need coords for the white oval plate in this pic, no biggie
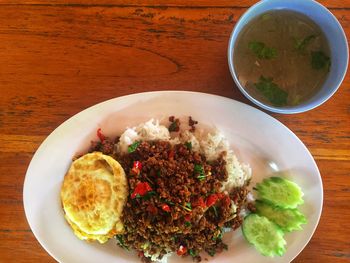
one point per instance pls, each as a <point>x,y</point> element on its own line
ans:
<point>258,139</point>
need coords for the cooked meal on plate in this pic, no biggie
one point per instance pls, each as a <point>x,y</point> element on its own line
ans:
<point>167,188</point>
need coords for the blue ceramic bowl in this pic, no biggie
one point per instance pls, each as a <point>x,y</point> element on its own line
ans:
<point>331,28</point>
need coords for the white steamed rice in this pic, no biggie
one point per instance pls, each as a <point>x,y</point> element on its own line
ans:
<point>209,144</point>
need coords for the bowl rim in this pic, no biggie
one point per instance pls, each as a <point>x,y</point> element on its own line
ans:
<point>291,109</point>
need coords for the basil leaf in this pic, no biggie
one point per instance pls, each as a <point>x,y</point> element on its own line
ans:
<point>192,253</point>
<point>120,241</point>
<point>200,171</point>
<point>188,145</point>
<point>132,147</point>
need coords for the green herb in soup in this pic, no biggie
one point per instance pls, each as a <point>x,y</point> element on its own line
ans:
<point>261,50</point>
<point>271,91</point>
<point>320,60</point>
<point>301,44</point>
<point>282,58</point>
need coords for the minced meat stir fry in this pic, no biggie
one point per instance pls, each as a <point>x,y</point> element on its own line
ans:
<point>175,203</point>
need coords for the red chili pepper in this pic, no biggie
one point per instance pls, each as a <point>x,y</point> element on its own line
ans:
<point>220,195</point>
<point>165,207</point>
<point>135,171</point>
<point>141,254</point>
<point>141,189</point>
<point>188,217</point>
<point>100,135</point>
<point>182,250</point>
<point>211,200</point>
<point>137,165</point>
<point>199,202</point>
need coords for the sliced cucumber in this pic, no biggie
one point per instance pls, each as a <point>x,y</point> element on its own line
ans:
<point>280,192</point>
<point>287,219</point>
<point>265,235</point>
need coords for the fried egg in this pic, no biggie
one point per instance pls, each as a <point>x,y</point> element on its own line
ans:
<point>93,195</point>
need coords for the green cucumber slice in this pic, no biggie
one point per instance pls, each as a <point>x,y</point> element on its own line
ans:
<point>287,219</point>
<point>265,235</point>
<point>280,192</point>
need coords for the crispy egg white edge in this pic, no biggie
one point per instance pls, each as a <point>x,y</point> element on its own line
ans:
<point>116,226</point>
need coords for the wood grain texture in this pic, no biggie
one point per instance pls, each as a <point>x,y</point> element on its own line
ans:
<point>59,57</point>
<point>161,3</point>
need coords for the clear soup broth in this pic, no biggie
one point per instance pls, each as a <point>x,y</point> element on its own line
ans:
<point>282,58</point>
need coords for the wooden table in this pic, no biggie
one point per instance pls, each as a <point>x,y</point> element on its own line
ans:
<point>59,57</point>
